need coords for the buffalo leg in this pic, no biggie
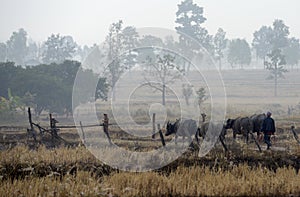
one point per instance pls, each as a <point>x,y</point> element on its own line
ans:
<point>223,143</point>
<point>258,146</point>
<point>196,137</point>
<point>234,134</point>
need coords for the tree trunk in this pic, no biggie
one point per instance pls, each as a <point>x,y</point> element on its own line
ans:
<point>187,100</point>
<point>275,78</point>
<point>113,89</point>
<point>220,64</point>
<point>188,68</point>
<point>164,95</point>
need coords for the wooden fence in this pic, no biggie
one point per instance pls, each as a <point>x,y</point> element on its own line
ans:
<point>53,129</point>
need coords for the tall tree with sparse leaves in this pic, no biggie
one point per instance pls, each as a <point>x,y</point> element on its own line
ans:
<point>114,41</point>
<point>190,19</point>
<point>275,64</point>
<point>220,43</point>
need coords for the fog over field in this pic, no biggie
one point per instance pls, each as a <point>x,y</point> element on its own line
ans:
<point>149,98</point>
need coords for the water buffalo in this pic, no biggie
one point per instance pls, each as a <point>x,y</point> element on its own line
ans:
<point>202,131</point>
<point>245,126</point>
<point>257,121</point>
<point>184,128</point>
<point>241,125</point>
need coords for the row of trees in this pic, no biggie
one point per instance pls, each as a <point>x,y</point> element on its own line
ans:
<point>189,21</point>
<point>43,87</point>
<point>270,38</point>
<point>57,48</point>
<point>49,86</point>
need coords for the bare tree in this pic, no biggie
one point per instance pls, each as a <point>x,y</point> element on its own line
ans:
<point>160,72</point>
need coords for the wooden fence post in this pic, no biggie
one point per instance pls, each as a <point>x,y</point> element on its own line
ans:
<point>295,134</point>
<point>105,127</point>
<point>153,126</point>
<point>82,131</point>
<point>161,135</point>
<point>31,131</point>
<point>53,127</point>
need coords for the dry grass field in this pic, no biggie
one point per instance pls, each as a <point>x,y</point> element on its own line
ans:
<point>44,170</point>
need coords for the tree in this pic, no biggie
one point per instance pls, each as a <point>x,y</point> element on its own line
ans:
<point>267,38</point>
<point>32,56</point>
<point>8,71</point>
<point>3,52</point>
<point>129,37</point>
<point>150,45</point>
<point>58,48</point>
<point>201,96</point>
<point>280,34</point>
<point>220,43</point>
<point>120,54</point>
<point>189,19</point>
<point>150,40</point>
<point>275,64</point>
<point>163,70</point>
<point>262,41</point>
<point>292,52</point>
<point>239,52</point>
<point>115,68</point>
<point>187,92</point>
<point>129,43</point>
<point>46,87</point>
<point>16,47</point>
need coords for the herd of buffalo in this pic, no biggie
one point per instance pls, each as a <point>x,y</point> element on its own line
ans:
<point>241,125</point>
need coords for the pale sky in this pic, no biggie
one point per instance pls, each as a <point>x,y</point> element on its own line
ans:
<point>88,20</point>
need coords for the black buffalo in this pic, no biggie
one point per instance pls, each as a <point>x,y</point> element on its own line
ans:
<point>257,121</point>
<point>241,125</point>
<point>184,128</point>
<point>203,129</point>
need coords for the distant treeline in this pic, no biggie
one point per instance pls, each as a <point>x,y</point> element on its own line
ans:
<point>43,87</point>
<point>190,17</point>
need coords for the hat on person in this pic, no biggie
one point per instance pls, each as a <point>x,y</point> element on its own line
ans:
<point>269,114</point>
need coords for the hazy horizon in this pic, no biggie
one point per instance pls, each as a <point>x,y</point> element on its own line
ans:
<point>88,21</point>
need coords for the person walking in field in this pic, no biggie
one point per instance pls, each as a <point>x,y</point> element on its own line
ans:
<point>268,129</point>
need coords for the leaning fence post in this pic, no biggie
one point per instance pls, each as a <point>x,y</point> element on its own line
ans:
<point>105,127</point>
<point>161,135</point>
<point>295,134</point>
<point>82,131</point>
<point>153,126</point>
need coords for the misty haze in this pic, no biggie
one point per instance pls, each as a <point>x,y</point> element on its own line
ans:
<point>160,98</point>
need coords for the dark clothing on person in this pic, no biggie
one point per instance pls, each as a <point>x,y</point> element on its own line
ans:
<point>267,139</point>
<point>268,128</point>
